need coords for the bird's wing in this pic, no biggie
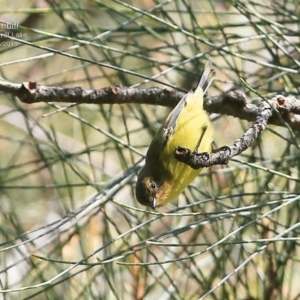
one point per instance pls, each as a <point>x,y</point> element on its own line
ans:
<point>205,81</point>
<point>166,131</point>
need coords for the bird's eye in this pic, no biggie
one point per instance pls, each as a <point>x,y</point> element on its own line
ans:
<point>152,185</point>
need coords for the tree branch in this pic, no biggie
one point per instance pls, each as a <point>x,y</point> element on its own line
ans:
<point>223,154</point>
<point>233,103</point>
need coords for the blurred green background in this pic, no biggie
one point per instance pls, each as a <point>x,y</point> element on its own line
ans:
<point>70,226</point>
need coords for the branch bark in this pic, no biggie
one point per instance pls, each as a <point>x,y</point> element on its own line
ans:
<point>279,110</point>
<point>233,103</point>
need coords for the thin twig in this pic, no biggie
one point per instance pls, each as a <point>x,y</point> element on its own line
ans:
<point>223,154</point>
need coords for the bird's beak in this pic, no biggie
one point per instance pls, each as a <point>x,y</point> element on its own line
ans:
<point>153,203</point>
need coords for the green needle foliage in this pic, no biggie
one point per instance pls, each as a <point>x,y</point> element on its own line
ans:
<point>70,227</point>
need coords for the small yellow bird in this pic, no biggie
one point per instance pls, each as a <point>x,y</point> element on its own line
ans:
<point>163,177</point>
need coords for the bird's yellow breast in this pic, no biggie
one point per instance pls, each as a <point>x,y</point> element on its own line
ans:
<point>192,124</point>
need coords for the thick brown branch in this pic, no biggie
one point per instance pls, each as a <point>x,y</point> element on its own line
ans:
<point>31,92</point>
<point>233,104</point>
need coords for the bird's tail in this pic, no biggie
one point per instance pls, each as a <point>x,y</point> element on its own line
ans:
<point>207,77</point>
